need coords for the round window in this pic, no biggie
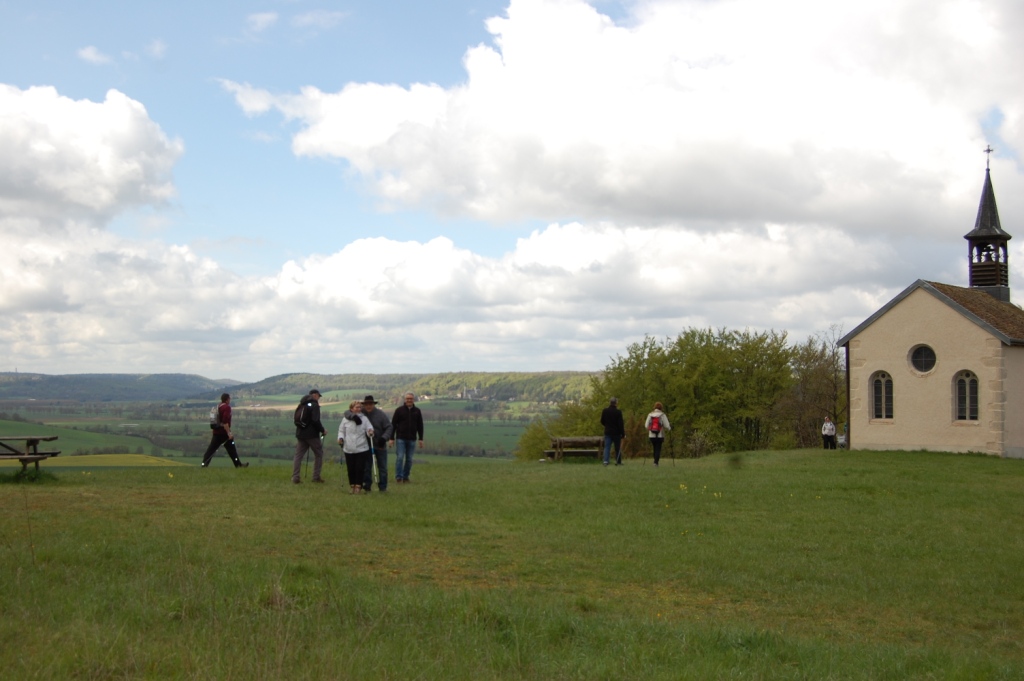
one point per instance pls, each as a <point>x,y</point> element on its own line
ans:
<point>923,358</point>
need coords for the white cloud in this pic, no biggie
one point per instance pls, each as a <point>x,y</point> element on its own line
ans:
<point>252,100</point>
<point>259,22</point>
<point>864,116</point>
<point>318,19</point>
<point>92,55</point>
<point>64,159</point>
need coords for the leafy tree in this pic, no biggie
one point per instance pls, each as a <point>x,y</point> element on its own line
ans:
<point>819,388</point>
<point>723,390</point>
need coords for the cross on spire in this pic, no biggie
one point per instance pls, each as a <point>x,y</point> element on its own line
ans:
<point>988,154</point>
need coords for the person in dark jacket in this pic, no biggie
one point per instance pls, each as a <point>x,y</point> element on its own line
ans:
<point>222,435</point>
<point>308,433</point>
<point>407,422</point>
<point>382,431</point>
<point>614,431</point>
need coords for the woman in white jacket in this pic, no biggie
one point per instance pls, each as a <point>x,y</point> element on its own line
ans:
<point>657,425</point>
<point>354,435</point>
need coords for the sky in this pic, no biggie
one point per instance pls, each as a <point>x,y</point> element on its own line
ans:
<point>243,189</point>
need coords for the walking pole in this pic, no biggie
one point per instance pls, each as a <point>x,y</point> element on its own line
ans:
<point>373,459</point>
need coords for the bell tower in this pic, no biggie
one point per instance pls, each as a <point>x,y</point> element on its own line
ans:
<point>987,256</point>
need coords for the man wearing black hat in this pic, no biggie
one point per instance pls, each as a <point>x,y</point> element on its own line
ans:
<point>382,431</point>
<point>308,431</point>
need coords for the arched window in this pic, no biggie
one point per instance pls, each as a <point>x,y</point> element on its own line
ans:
<point>965,395</point>
<point>881,396</point>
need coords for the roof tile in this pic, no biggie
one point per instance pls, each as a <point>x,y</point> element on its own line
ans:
<point>1006,318</point>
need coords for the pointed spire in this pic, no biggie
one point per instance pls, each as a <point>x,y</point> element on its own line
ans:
<point>987,223</point>
<point>988,257</point>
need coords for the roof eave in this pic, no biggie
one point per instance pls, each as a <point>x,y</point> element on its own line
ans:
<point>922,284</point>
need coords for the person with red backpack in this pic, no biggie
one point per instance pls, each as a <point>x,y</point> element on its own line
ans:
<point>657,425</point>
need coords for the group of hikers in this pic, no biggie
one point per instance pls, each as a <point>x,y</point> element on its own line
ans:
<point>366,432</point>
<point>364,435</point>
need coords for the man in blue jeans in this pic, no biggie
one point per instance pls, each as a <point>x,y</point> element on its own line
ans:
<point>614,431</point>
<point>408,428</point>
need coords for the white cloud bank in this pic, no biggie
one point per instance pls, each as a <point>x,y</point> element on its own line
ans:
<point>710,164</point>
<point>76,297</point>
<point>859,115</point>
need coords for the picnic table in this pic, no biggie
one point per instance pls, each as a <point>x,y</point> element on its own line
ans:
<point>29,453</point>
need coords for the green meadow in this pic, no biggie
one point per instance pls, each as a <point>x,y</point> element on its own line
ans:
<point>70,440</point>
<point>767,565</point>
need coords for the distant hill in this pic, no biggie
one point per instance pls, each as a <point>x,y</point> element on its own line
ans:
<point>107,387</point>
<point>543,386</point>
<point>298,384</point>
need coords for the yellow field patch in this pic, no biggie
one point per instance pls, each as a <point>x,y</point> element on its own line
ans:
<point>98,461</point>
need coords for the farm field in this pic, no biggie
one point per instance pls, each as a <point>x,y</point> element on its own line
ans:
<point>767,565</point>
<point>263,426</point>
<point>71,440</point>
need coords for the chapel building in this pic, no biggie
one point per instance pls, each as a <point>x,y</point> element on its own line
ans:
<point>941,367</point>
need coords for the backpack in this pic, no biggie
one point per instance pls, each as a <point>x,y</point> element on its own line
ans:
<point>655,424</point>
<point>302,414</point>
<point>215,418</point>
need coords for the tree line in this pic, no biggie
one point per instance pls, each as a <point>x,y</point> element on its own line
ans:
<point>724,390</point>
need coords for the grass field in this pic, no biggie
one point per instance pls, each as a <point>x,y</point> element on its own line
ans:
<point>781,565</point>
<point>95,461</point>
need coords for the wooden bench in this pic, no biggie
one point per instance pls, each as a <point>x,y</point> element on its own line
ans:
<point>561,447</point>
<point>30,453</point>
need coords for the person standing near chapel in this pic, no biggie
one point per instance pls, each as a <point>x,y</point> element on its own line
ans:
<point>828,434</point>
<point>308,431</point>
<point>657,425</point>
<point>382,430</point>
<point>614,431</point>
<point>222,435</point>
<point>408,428</point>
